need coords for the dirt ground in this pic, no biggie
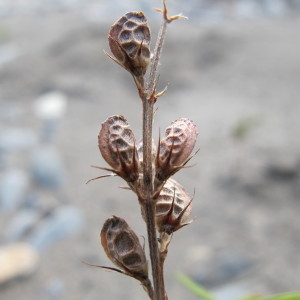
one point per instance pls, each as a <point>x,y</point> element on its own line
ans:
<point>239,81</point>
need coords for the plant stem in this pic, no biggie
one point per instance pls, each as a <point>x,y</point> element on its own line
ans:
<point>149,99</point>
<point>156,57</point>
<point>157,274</point>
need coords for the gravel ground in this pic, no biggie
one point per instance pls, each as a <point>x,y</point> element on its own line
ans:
<point>239,81</point>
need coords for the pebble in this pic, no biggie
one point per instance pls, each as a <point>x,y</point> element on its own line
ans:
<point>54,288</point>
<point>50,106</point>
<point>10,113</point>
<point>13,187</point>
<point>63,222</point>
<point>17,261</point>
<point>17,139</point>
<point>283,169</point>
<point>8,52</point>
<point>21,224</point>
<point>231,291</point>
<point>47,169</point>
<point>248,9</point>
<point>222,269</point>
<point>275,8</point>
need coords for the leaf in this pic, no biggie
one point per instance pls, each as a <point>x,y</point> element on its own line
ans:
<point>252,297</point>
<point>285,296</point>
<point>195,287</point>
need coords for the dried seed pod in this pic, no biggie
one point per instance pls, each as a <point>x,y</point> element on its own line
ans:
<point>175,148</point>
<point>129,40</point>
<point>123,248</point>
<point>117,145</point>
<point>173,207</point>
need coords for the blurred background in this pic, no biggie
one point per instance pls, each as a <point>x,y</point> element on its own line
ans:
<point>233,68</point>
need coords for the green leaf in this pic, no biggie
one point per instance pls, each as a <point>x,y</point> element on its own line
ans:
<point>285,296</point>
<point>194,287</point>
<point>252,297</point>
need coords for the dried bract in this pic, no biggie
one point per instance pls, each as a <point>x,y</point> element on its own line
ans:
<point>129,40</point>
<point>117,145</point>
<point>173,207</point>
<point>123,248</point>
<point>175,148</point>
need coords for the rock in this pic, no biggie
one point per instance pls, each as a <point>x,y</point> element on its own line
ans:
<point>275,8</point>
<point>10,113</point>
<point>17,260</point>
<point>231,291</point>
<point>3,161</point>
<point>222,269</point>
<point>47,169</point>
<point>50,106</point>
<point>8,52</point>
<point>54,288</point>
<point>13,188</point>
<point>17,139</point>
<point>21,224</point>
<point>247,9</point>
<point>283,169</point>
<point>63,222</point>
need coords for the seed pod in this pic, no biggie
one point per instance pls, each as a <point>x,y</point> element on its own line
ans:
<point>129,40</point>
<point>117,145</point>
<point>173,207</point>
<point>175,148</point>
<point>123,248</point>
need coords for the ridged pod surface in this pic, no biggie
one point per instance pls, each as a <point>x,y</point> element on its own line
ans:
<point>173,207</point>
<point>123,248</point>
<point>116,143</point>
<point>129,40</point>
<point>175,148</point>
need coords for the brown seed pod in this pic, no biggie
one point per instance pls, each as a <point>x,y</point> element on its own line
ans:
<point>175,148</point>
<point>173,207</point>
<point>123,248</point>
<point>129,40</point>
<point>117,145</point>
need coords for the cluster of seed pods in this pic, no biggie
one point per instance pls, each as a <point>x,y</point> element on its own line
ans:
<point>129,41</point>
<point>118,147</point>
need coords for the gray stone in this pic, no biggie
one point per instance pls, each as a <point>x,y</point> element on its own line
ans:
<point>63,222</point>
<point>231,291</point>
<point>275,8</point>
<point>8,52</point>
<point>21,224</point>
<point>50,106</point>
<point>223,268</point>
<point>283,169</point>
<point>17,139</point>
<point>47,169</point>
<point>55,288</point>
<point>13,187</point>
